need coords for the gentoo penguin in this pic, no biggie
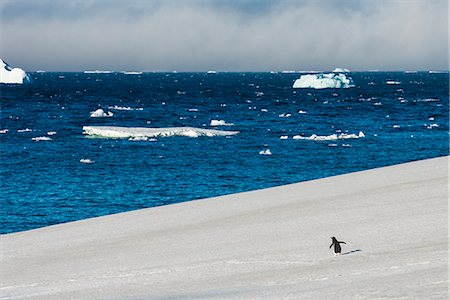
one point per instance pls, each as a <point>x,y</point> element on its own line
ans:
<point>337,247</point>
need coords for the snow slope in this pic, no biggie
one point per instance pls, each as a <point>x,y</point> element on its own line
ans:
<point>271,244</point>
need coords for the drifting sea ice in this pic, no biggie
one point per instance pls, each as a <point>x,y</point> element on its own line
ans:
<point>265,152</point>
<point>86,161</point>
<point>100,113</point>
<point>340,70</point>
<point>10,75</point>
<point>41,138</point>
<point>220,123</point>
<point>324,81</point>
<point>331,137</point>
<point>129,132</point>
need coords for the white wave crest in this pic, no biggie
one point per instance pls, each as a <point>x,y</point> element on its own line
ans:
<point>331,137</point>
<point>140,132</point>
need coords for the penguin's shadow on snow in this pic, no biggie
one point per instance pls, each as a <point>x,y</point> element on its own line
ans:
<point>352,251</point>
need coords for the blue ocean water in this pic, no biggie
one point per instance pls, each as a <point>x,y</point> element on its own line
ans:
<point>403,116</point>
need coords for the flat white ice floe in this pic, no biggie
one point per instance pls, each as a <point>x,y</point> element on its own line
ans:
<point>331,137</point>
<point>97,72</point>
<point>86,161</point>
<point>141,132</point>
<point>393,82</point>
<point>220,123</point>
<point>324,81</point>
<point>10,75</point>
<point>132,72</point>
<point>41,138</point>
<point>116,107</point>
<point>24,130</point>
<point>100,113</point>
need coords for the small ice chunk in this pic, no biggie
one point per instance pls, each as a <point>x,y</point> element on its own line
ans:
<point>302,112</point>
<point>393,82</point>
<point>220,123</point>
<point>86,161</point>
<point>24,130</point>
<point>41,138</point>
<point>100,113</point>
<point>138,138</point>
<point>51,132</point>
<point>284,115</point>
<point>331,137</point>
<point>284,137</point>
<point>265,152</point>
<point>3,131</point>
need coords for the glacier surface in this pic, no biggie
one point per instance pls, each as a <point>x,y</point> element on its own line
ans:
<point>12,75</point>
<point>324,81</point>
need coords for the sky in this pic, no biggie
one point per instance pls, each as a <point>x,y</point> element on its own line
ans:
<point>224,35</point>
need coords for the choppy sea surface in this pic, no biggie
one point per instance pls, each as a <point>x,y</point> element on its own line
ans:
<point>53,173</point>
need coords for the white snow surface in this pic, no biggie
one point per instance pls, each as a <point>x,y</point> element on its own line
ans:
<point>324,81</point>
<point>10,75</point>
<point>265,244</point>
<point>140,132</point>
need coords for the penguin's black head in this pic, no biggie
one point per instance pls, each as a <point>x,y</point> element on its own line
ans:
<point>333,238</point>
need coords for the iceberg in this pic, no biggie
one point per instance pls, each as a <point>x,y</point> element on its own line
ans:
<point>324,81</point>
<point>100,113</point>
<point>10,75</point>
<point>341,70</point>
<point>141,132</point>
